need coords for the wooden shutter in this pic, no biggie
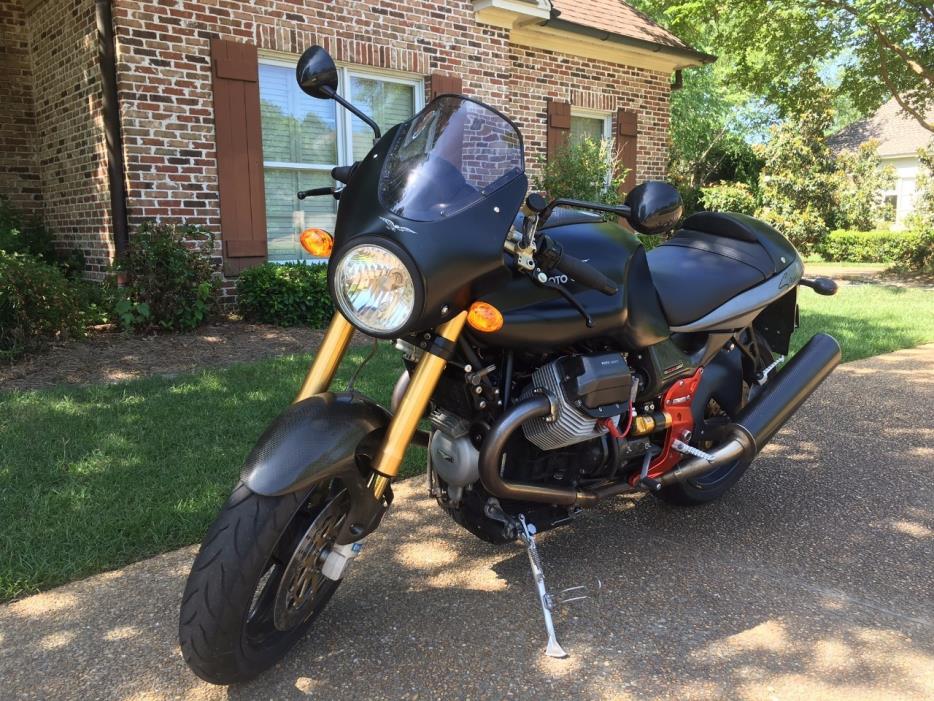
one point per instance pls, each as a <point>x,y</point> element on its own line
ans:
<point>235,70</point>
<point>441,84</point>
<point>627,124</point>
<point>559,126</point>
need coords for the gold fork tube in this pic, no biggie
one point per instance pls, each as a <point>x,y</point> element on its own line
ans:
<point>328,359</point>
<point>411,409</point>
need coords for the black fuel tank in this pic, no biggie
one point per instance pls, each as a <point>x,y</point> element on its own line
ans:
<point>539,318</point>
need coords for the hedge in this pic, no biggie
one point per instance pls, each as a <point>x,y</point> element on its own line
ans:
<point>285,294</point>
<point>908,249</point>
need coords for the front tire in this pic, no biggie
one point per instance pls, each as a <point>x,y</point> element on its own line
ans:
<point>241,610</point>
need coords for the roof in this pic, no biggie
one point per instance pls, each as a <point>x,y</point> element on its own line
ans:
<point>616,17</point>
<point>897,133</point>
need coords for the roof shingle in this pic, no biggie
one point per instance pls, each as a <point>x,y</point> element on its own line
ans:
<point>897,133</point>
<point>616,17</point>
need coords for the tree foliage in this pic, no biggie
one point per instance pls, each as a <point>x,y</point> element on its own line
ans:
<point>775,50</point>
<point>860,179</point>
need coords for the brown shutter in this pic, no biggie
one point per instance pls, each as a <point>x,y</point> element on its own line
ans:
<point>627,124</point>
<point>235,69</point>
<point>445,85</point>
<point>559,126</point>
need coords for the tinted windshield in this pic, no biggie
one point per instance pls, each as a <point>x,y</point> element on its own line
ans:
<point>450,156</point>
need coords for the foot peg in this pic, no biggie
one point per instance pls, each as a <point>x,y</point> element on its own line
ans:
<point>527,534</point>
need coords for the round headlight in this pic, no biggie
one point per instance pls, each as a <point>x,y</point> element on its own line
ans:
<point>374,289</point>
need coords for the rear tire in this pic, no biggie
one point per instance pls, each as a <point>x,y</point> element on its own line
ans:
<point>227,629</point>
<point>710,487</point>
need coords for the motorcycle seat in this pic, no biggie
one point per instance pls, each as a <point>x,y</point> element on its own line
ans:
<point>715,257</point>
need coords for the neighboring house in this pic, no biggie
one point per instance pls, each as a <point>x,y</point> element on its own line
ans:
<point>198,118</point>
<point>899,138</point>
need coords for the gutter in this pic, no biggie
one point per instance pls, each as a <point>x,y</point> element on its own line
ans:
<point>645,45</point>
<point>116,168</point>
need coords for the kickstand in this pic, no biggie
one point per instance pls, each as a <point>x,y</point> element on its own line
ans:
<point>527,535</point>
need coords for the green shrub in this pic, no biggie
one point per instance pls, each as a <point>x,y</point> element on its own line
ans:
<point>849,246</point>
<point>37,304</point>
<point>907,250</point>
<point>287,294</point>
<point>170,279</point>
<point>579,171</point>
<point>729,197</point>
<point>859,179</point>
<point>805,229</point>
<point>21,235</point>
<point>917,252</point>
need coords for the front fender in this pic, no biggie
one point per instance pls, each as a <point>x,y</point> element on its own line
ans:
<point>312,440</point>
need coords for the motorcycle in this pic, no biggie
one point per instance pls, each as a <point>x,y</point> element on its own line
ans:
<point>556,362</point>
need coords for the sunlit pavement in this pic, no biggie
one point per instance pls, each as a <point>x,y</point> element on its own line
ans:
<point>812,579</point>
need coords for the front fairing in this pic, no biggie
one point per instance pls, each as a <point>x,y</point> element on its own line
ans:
<point>455,259</point>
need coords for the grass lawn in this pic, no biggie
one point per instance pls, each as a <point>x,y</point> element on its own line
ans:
<point>94,478</point>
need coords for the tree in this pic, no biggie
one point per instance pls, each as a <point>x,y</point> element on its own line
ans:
<point>861,178</point>
<point>798,181</point>
<point>775,50</point>
<point>710,124</point>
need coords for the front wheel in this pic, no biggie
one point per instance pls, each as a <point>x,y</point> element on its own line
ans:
<point>256,584</point>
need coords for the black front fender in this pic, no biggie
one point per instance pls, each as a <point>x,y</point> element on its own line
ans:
<point>315,439</point>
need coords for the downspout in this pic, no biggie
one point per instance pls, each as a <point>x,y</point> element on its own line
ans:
<point>116,169</point>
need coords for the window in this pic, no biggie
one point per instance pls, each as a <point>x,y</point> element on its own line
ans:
<point>304,138</point>
<point>595,125</point>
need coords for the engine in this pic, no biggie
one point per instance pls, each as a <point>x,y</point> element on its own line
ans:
<point>585,389</point>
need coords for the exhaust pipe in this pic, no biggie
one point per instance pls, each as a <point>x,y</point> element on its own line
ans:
<point>491,456</point>
<point>761,419</point>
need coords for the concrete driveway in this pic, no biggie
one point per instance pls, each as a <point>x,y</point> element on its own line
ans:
<point>813,579</point>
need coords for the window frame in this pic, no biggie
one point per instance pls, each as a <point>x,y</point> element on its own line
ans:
<point>343,124</point>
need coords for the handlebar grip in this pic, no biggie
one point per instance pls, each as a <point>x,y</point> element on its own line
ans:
<point>585,274</point>
<point>316,192</point>
<point>343,174</point>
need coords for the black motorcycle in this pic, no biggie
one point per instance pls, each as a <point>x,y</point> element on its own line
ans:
<point>557,363</point>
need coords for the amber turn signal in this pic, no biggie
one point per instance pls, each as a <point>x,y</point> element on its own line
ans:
<point>317,242</point>
<point>484,317</point>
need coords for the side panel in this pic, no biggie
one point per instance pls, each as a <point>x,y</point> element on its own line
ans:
<point>743,308</point>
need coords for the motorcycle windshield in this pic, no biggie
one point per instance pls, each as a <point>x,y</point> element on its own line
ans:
<point>450,156</point>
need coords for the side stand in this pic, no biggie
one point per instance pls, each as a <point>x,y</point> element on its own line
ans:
<point>527,535</point>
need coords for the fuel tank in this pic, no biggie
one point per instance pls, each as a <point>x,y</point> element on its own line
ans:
<point>540,318</point>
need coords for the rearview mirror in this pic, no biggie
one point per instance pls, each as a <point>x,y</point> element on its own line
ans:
<point>655,207</point>
<point>316,73</point>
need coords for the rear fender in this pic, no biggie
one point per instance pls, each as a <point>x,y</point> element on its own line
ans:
<point>322,438</point>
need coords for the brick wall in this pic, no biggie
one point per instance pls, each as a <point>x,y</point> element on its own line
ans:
<point>69,132</point>
<point>165,82</point>
<point>19,174</point>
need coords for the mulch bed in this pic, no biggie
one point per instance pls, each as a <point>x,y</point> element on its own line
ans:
<point>105,358</point>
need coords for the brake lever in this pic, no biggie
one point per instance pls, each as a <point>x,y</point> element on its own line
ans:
<point>564,292</point>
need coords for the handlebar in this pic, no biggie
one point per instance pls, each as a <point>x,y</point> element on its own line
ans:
<point>586,275</point>
<point>551,256</point>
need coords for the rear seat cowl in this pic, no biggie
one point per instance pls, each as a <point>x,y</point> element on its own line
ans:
<point>742,227</point>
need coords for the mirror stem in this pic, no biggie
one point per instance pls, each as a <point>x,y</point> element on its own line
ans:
<point>330,92</point>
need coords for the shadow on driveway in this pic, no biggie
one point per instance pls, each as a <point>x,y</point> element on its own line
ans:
<point>812,579</point>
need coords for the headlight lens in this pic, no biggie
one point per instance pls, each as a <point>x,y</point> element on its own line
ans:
<point>374,289</point>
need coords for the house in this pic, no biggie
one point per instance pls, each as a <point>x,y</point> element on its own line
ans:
<point>113,112</point>
<point>899,138</point>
